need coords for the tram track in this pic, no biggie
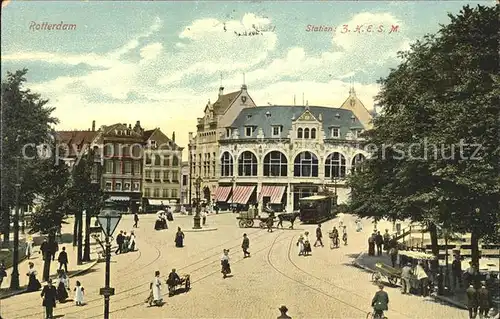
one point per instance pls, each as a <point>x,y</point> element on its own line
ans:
<point>131,289</point>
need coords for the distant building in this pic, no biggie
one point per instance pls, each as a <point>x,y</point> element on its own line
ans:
<point>75,143</point>
<point>122,163</point>
<point>162,169</point>
<point>204,146</point>
<point>279,154</point>
<point>185,183</point>
<point>354,104</point>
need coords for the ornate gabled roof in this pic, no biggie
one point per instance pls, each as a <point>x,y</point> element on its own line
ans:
<point>115,129</point>
<point>224,101</point>
<point>354,104</point>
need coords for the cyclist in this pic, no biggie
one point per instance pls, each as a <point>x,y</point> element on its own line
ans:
<point>380,302</point>
<point>335,237</point>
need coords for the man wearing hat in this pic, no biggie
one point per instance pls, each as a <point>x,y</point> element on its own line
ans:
<point>484,300</point>
<point>283,310</point>
<point>405,278</point>
<point>380,302</point>
<point>49,295</point>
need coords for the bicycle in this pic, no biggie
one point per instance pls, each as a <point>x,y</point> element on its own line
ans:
<point>373,315</point>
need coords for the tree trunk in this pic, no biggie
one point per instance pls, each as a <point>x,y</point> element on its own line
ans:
<point>474,242</point>
<point>434,246</point>
<point>6,227</point>
<point>48,257</point>
<point>75,230</point>
<point>86,251</point>
<point>80,239</point>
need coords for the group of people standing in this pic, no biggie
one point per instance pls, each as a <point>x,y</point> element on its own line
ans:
<point>383,242</point>
<point>125,242</point>
<point>50,294</point>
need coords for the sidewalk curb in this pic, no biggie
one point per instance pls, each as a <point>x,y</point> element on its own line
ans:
<point>78,273</point>
<point>440,298</point>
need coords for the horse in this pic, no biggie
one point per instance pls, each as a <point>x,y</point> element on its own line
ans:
<point>289,217</point>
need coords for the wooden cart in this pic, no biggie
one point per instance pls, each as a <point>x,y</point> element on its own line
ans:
<point>383,270</point>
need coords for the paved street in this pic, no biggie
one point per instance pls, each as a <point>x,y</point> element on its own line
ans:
<point>324,285</point>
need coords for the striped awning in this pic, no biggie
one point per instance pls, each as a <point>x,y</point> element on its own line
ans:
<point>119,198</point>
<point>274,192</point>
<point>241,194</point>
<point>222,193</point>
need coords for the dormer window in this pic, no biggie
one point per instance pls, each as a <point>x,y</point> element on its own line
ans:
<point>249,131</point>
<point>337,116</point>
<point>228,132</point>
<point>335,132</point>
<point>153,144</point>
<point>277,130</point>
<point>249,116</point>
<point>354,133</point>
<point>268,114</point>
<point>353,118</point>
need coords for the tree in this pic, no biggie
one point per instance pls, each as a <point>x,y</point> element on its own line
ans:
<point>25,122</point>
<point>50,215</point>
<point>442,99</point>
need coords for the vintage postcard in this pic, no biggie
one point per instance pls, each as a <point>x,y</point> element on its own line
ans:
<point>250,159</point>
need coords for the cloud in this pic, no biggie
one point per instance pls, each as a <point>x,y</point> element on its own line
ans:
<point>151,51</point>
<point>91,59</point>
<point>205,47</point>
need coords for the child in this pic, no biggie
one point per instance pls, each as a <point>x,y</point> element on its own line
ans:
<point>344,235</point>
<point>79,294</point>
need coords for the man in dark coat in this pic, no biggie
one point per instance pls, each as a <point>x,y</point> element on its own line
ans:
<point>387,238</point>
<point>484,300</point>
<point>472,301</point>
<point>379,240</point>
<point>245,245</point>
<point>119,241</point>
<point>53,249</point>
<point>456,271</point>
<point>49,295</point>
<point>44,248</point>
<point>63,259</point>
<point>380,301</point>
<point>284,310</point>
<point>319,236</point>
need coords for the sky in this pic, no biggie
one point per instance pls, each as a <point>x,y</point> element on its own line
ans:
<point>160,62</point>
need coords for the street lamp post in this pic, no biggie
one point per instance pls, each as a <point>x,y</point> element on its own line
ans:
<point>14,282</point>
<point>108,219</point>
<point>190,177</point>
<point>95,181</point>
<point>233,179</point>
<point>197,217</point>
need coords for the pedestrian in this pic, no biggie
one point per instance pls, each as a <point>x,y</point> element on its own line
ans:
<point>380,301</point>
<point>157,297</point>
<point>456,272</point>
<point>126,240</point>
<point>341,220</point>
<point>471,274</point>
<point>284,310</point>
<point>245,245</point>
<point>386,239</point>
<point>3,273</point>
<point>371,245</point>
<point>33,283</point>
<point>79,293</point>
<point>406,274</point>
<point>63,259</point>
<point>472,301</point>
<point>29,247</point>
<point>119,242</point>
<point>49,295</point>
<point>131,243</point>
<point>62,286</point>
<point>204,217</point>
<point>359,225</point>
<point>300,244</point>
<point>319,236</point>
<point>422,278</point>
<point>393,252</point>
<point>136,220</point>
<point>307,244</point>
<point>226,266</point>
<point>270,222</point>
<point>179,238</point>
<point>484,300</point>
<point>379,240</point>
<point>344,235</point>
<point>53,249</point>
<point>44,249</point>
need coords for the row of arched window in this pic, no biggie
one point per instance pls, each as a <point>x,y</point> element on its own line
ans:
<point>304,133</point>
<point>305,164</point>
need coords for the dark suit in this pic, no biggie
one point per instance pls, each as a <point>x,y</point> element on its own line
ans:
<point>472,302</point>
<point>484,301</point>
<point>63,260</point>
<point>119,242</point>
<point>380,302</point>
<point>49,295</point>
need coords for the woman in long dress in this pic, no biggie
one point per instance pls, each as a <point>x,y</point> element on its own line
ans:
<point>359,226</point>
<point>307,244</point>
<point>157,297</point>
<point>300,244</point>
<point>224,261</point>
<point>33,283</point>
<point>79,292</point>
<point>179,238</point>
<point>131,244</point>
<point>29,247</point>
<point>62,286</point>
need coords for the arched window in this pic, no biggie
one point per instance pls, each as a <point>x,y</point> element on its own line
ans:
<point>305,165</point>
<point>157,160</point>
<point>313,133</point>
<point>226,164</point>
<point>357,161</point>
<point>275,164</point>
<point>247,164</point>
<point>175,161</point>
<point>335,165</point>
<point>306,133</point>
<point>299,133</point>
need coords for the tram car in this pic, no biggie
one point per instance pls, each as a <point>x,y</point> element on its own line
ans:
<point>318,208</point>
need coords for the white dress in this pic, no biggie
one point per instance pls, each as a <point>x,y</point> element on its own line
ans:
<point>157,289</point>
<point>79,294</point>
<point>301,246</point>
<point>29,248</point>
<point>132,242</point>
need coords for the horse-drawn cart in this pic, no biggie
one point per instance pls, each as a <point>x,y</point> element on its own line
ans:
<point>383,270</point>
<point>247,222</point>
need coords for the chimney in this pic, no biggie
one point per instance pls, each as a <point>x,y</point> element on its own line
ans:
<point>221,91</point>
<point>173,136</point>
<point>93,126</point>
<point>243,87</point>
<point>130,126</point>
